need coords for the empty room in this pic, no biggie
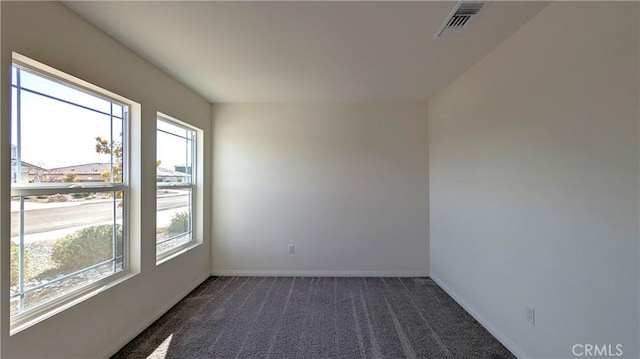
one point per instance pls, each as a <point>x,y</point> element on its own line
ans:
<point>328,179</point>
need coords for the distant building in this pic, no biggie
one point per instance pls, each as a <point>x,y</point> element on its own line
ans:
<point>164,175</point>
<point>25,172</point>
<point>89,172</point>
<point>183,168</point>
<point>92,172</point>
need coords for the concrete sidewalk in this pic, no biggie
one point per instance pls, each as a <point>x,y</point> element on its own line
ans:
<point>32,206</point>
<point>163,219</point>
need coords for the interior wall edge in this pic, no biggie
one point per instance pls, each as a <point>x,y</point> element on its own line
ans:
<point>486,323</point>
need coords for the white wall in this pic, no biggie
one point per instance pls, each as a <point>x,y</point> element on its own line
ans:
<point>345,183</point>
<point>50,33</point>
<point>534,182</point>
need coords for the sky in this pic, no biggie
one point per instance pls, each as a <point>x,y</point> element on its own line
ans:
<point>57,134</point>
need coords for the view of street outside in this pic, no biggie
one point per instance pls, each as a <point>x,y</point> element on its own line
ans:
<point>52,220</point>
<point>46,223</point>
<point>64,136</point>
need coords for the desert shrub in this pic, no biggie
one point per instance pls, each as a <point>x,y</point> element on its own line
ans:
<point>15,253</point>
<point>179,223</point>
<point>58,197</point>
<point>86,247</point>
<point>15,263</point>
<point>69,177</point>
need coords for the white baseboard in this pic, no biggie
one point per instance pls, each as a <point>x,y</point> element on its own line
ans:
<point>516,350</point>
<point>313,273</point>
<point>152,318</point>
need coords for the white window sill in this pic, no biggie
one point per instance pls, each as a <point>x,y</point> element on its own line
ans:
<point>64,304</point>
<point>165,257</point>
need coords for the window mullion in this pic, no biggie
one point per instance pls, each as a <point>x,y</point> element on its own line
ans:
<point>172,134</point>
<point>59,100</point>
<point>194,169</point>
<point>21,254</point>
<point>21,269</point>
<point>175,186</point>
<point>18,128</point>
<point>21,66</point>
<point>111,154</point>
<point>114,232</point>
<point>191,209</point>
<point>51,190</point>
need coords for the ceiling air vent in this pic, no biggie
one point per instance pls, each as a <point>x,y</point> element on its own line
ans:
<point>460,16</point>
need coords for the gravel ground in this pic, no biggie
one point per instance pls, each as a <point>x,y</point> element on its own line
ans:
<point>169,244</point>
<point>39,257</point>
<point>39,263</point>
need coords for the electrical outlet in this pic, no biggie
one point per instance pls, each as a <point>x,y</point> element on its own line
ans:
<point>530,315</point>
<point>292,249</point>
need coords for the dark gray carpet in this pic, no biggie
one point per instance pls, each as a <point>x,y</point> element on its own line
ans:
<point>303,317</point>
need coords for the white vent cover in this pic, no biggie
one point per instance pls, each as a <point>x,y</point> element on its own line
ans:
<point>460,16</point>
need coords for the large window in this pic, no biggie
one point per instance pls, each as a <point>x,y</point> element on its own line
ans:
<point>69,174</point>
<point>176,186</point>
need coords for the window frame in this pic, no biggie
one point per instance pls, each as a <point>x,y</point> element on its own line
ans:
<point>193,185</point>
<point>52,306</point>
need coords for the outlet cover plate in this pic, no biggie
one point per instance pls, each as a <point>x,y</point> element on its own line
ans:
<point>530,315</point>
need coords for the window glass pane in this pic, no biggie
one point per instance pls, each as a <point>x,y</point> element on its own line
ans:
<point>175,146</point>
<point>117,111</point>
<point>175,155</point>
<point>61,242</point>
<point>62,142</point>
<point>69,241</point>
<point>61,91</point>
<point>171,128</point>
<point>174,218</point>
<point>57,135</point>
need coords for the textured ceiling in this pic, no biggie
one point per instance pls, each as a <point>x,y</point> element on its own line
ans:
<point>306,51</point>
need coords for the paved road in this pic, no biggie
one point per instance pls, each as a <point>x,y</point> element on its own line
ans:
<point>49,219</point>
